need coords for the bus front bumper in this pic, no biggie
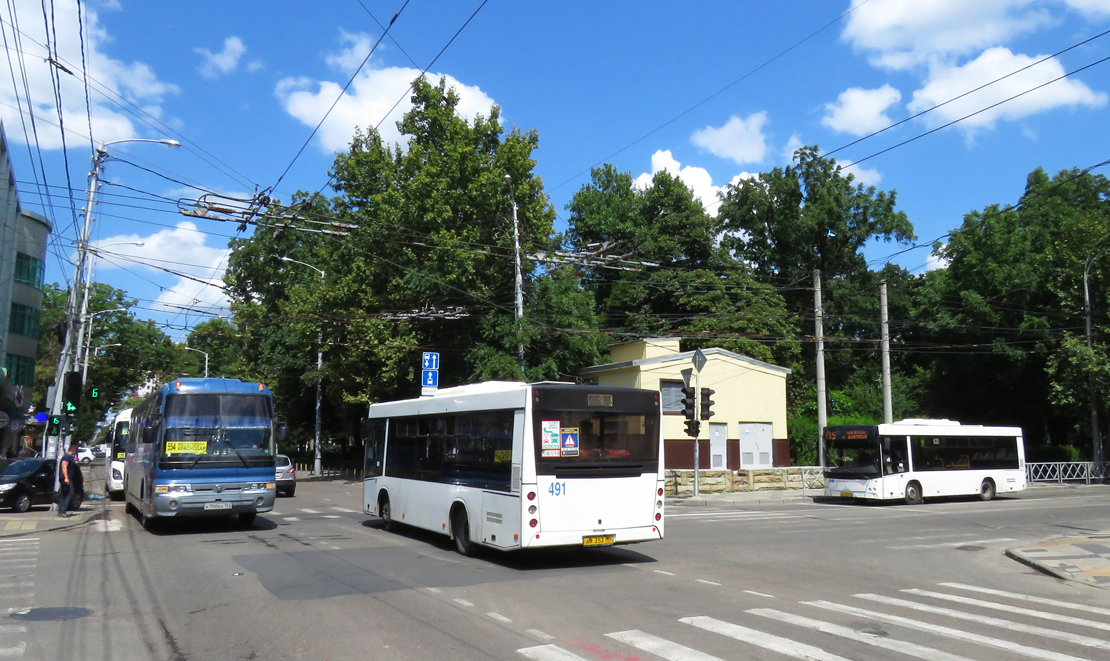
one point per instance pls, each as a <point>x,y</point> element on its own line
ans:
<point>245,502</point>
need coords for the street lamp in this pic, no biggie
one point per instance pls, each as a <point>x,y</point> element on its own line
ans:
<point>519,285</point>
<point>1096,436</point>
<point>319,366</point>
<point>86,337</point>
<point>205,358</point>
<point>71,346</point>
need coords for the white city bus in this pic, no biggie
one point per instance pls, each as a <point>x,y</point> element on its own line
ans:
<point>514,465</point>
<point>916,459</point>
<point>117,453</point>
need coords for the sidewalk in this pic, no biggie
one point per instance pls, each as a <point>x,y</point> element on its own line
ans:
<point>44,519</point>
<point>1083,559</point>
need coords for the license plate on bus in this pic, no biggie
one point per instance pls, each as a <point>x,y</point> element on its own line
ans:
<point>217,506</point>
<point>598,540</point>
<point>845,494</point>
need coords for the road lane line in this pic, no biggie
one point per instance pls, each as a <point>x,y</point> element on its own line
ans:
<point>760,594</point>
<point>1076,639</point>
<point>499,617</point>
<point>1024,597</point>
<point>660,571</point>
<point>463,602</point>
<point>435,590</point>
<point>344,509</point>
<point>660,647</point>
<point>549,653</point>
<point>539,634</point>
<point>307,510</point>
<point>998,643</point>
<point>1055,617</point>
<point>954,544</point>
<point>767,641</point>
<point>16,541</point>
<point>903,647</point>
<point>702,580</point>
<point>292,518</point>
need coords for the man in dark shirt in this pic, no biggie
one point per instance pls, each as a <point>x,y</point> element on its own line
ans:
<point>72,481</point>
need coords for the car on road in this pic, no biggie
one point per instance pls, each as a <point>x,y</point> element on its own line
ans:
<point>286,475</point>
<point>27,482</point>
<point>85,455</point>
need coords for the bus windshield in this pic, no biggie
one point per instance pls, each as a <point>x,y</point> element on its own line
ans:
<point>597,440</point>
<point>204,428</point>
<point>852,452</point>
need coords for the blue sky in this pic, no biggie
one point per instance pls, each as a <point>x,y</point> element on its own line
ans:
<point>711,91</point>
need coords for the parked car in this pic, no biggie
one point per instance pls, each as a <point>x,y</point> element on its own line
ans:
<point>286,476</point>
<point>27,482</point>
<point>98,451</point>
<point>85,455</point>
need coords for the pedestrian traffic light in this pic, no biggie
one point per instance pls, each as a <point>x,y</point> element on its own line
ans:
<point>693,427</point>
<point>706,403</point>
<point>71,392</point>
<point>54,425</point>
<point>688,402</point>
<point>94,393</point>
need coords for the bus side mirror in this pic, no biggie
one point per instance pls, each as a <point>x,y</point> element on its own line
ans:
<point>150,433</point>
<point>282,433</point>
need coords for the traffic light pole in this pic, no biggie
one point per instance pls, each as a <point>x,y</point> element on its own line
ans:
<point>697,438</point>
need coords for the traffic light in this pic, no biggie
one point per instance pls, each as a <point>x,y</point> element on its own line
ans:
<point>688,403</point>
<point>67,425</point>
<point>71,392</point>
<point>54,425</point>
<point>94,394</point>
<point>692,428</point>
<point>706,412</point>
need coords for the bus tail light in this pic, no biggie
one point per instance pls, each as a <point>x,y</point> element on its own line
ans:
<point>660,492</point>
<point>533,523</point>
<point>658,516</point>
<point>531,495</point>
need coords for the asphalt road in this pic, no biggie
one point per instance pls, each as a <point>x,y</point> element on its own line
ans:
<point>317,579</point>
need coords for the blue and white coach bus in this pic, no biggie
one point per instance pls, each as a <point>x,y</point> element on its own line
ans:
<point>202,447</point>
<point>514,465</point>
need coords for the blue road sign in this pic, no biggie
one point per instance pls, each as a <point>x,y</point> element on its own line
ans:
<point>41,417</point>
<point>430,361</point>
<point>429,378</point>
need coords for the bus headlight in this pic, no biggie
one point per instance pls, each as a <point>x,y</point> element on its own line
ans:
<point>259,486</point>
<point>172,488</point>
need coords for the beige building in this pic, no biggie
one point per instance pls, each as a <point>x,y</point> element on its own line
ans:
<point>748,428</point>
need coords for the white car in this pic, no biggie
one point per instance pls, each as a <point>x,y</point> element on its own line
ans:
<point>85,455</point>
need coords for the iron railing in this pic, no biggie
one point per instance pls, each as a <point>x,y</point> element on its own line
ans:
<point>1067,471</point>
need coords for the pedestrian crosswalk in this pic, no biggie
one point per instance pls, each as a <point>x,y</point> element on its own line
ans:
<point>955,622</point>
<point>18,568</point>
<point>311,512</point>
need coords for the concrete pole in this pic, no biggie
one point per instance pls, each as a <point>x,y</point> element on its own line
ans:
<point>1096,435</point>
<point>819,333</point>
<point>519,286</point>
<point>319,380</point>
<point>888,401</point>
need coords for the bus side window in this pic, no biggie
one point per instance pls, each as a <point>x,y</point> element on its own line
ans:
<point>893,460</point>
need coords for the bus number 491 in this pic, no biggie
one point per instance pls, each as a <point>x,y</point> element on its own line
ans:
<point>557,488</point>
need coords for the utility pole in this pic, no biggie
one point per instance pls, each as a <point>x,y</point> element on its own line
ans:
<point>519,279</point>
<point>888,401</point>
<point>819,333</point>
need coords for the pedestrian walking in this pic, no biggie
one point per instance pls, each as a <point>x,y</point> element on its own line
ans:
<point>71,480</point>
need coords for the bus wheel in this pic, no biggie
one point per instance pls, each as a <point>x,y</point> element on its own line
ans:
<point>246,519</point>
<point>986,490</point>
<point>460,527</point>
<point>385,512</point>
<point>913,494</point>
<point>145,519</point>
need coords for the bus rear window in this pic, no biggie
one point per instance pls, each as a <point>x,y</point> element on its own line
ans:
<point>595,437</point>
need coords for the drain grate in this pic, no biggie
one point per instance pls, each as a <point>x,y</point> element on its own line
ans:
<point>53,614</point>
<point>970,547</point>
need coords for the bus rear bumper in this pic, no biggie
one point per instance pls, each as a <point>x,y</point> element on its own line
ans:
<point>580,537</point>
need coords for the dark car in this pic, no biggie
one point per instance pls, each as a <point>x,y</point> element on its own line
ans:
<point>27,482</point>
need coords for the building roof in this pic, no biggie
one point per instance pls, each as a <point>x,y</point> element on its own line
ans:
<point>684,356</point>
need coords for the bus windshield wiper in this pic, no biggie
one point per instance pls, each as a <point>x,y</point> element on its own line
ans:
<point>236,451</point>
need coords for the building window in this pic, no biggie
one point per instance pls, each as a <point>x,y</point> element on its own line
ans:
<point>24,320</point>
<point>28,270</point>
<point>21,370</point>
<point>671,397</point>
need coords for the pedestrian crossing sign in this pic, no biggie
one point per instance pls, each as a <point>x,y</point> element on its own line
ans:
<point>568,441</point>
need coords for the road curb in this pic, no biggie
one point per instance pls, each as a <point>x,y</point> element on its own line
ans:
<point>1083,560</point>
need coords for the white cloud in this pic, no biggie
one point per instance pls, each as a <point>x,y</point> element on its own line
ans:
<point>696,179</point>
<point>367,100</point>
<point>863,176</point>
<point>348,59</point>
<point>225,61</point>
<point>901,34</point>
<point>1094,8</point>
<point>740,140</point>
<point>182,250</point>
<point>934,262</point>
<point>859,111</point>
<point>792,145</point>
<point>946,83</point>
<point>133,80</point>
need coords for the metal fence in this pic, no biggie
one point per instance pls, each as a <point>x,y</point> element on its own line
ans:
<point>1067,471</point>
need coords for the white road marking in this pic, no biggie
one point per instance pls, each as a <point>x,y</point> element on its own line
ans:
<point>307,510</point>
<point>1055,617</point>
<point>344,509</point>
<point>549,653</point>
<point>902,647</point>
<point>660,571</point>
<point>1076,639</point>
<point>463,602</point>
<point>998,643</point>
<point>435,590</point>
<point>768,641</point>
<point>18,650</point>
<point>1024,597</point>
<point>292,518</point>
<point>702,580</point>
<point>760,594</point>
<point>499,617</point>
<point>954,544</point>
<point>660,646</point>
<point>111,525</point>
<point>16,541</point>
<point>539,634</point>
<point>331,516</point>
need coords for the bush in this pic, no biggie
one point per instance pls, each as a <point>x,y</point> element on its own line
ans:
<point>1054,453</point>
